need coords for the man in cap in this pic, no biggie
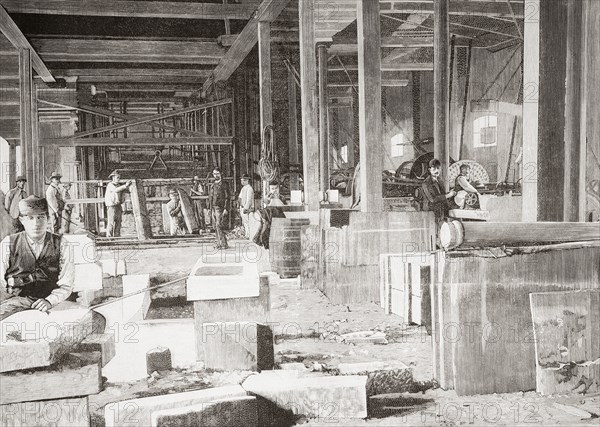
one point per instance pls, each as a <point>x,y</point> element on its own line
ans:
<point>11,202</point>
<point>202,213</point>
<point>36,266</point>
<point>218,200</point>
<point>56,203</point>
<point>174,208</point>
<point>246,203</point>
<point>113,199</point>
<point>434,190</point>
<point>66,219</point>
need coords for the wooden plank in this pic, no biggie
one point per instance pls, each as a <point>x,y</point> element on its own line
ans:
<point>26,125</point>
<point>531,84</point>
<point>268,11</point>
<point>189,213</point>
<point>99,73</point>
<point>140,142</point>
<point>78,374</point>
<point>491,8</point>
<point>517,233</point>
<point>370,120</point>
<point>308,95</point>
<point>18,40</point>
<point>72,412</point>
<point>140,211</point>
<point>441,73</point>
<point>323,120</point>
<point>133,9</point>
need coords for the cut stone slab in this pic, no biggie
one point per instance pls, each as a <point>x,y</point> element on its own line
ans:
<point>382,377</point>
<point>341,397</point>
<point>112,267</point>
<point>82,247</point>
<point>130,309</point>
<point>158,359</point>
<point>223,277</point>
<point>31,338</point>
<point>76,375</point>
<point>47,413</point>
<point>293,366</point>
<point>237,345</point>
<point>104,343</point>
<point>232,412</point>
<point>88,277</point>
<point>138,412</point>
<point>373,337</point>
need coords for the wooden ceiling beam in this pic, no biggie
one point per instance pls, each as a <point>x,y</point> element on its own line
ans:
<point>142,78</point>
<point>131,72</point>
<point>456,7</point>
<point>146,87</point>
<point>133,9</point>
<point>86,50</point>
<point>268,11</point>
<point>291,37</point>
<point>386,67</point>
<point>18,40</point>
<point>136,142</point>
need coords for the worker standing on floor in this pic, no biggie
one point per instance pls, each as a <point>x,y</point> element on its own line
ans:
<point>56,203</point>
<point>113,199</point>
<point>436,199</point>
<point>36,266</point>
<point>66,218</point>
<point>218,199</point>
<point>201,211</point>
<point>11,202</point>
<point>176,215</point>
<point>246,203</point>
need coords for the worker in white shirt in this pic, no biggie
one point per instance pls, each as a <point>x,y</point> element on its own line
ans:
<point>246,203</point>
<point>36,266</point>
<point>11,202</point>
<point>113,199</point>
<point>56,204</point>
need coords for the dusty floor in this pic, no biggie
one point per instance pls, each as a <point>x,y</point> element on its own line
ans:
<point>307,329</point>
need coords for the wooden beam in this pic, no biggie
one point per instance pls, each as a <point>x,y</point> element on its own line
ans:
<point>12,162</point>
<point>387,67</point>
<point>133,72</point>
<point>323,121</point>
<point>136,78</point>
<point>145,87</point>
<point>143,51</point>
<point>292,130</point>
<point>152,118</point>
<point>441,72</point>
<point>369,104</point>
<point>490,105</point>
<point>133,9</point>
<point>18,40</point>
<point>308,95</point>
<point>264,82</point>
<point>26,130</point>
<point>384,82</point>
<point>490,8</point>
<point>228,40</point>
<point>136,142</point>
<point>268,11</point>
<point>531,82</point>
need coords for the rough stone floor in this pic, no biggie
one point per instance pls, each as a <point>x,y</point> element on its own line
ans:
<point>307,329</point>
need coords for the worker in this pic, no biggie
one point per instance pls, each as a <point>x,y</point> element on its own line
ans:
<point>56,204</point>
<point>273,198</point>
<point>436,199</point>
<point>113,199</point>
<point>201,211</point>
<point>66,219</point>
<point>218,199</point>
<point>462,186</point>
<point>176,215</point>
<point>36,266</point>
<point>246,203</point>
<point>11,202</point>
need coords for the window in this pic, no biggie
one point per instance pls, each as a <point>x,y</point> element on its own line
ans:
<point>484,131</point>
<point>397,145</point>
<point>344,153</point>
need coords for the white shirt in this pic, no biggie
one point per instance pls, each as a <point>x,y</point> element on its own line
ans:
<point>246,197</point>
<point>66,275</point>
<point>54,199</point>
<point>113,195</point>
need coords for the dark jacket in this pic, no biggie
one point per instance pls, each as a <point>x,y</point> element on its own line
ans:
<point>38,275</point>
<point>435,197</point>
<point>219,195</point>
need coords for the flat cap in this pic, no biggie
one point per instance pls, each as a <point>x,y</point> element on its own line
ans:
<point>21,178</point>
<point>33,205</point>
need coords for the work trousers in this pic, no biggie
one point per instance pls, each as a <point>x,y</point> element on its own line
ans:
<point>56,221</point>
<point>66,221</point>
<point>113,225</point>
<point>217,217</point>
<point>245,223</point>
<point>15,304</point>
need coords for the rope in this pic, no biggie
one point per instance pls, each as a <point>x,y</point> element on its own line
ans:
<point>268,165</point>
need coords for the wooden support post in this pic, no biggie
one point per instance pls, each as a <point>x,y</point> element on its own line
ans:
<point>293,130</point>
<point>36,151</point>
<point>573,111</point>
<point>308,88</point>
<point>25,84</point>
<point>264,59</point>
<point>441,145</point>
<point>323,122</point>
<point>531,79</point>
<point>12,163</point>
<point>369,104</point>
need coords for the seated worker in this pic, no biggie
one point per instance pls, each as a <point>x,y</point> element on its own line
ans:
<point>272,209</point>
<point>177,220</point>
<point>36,267</point>
<point>436,199</point>
<point>462,186</point>
<point>273,198</point>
